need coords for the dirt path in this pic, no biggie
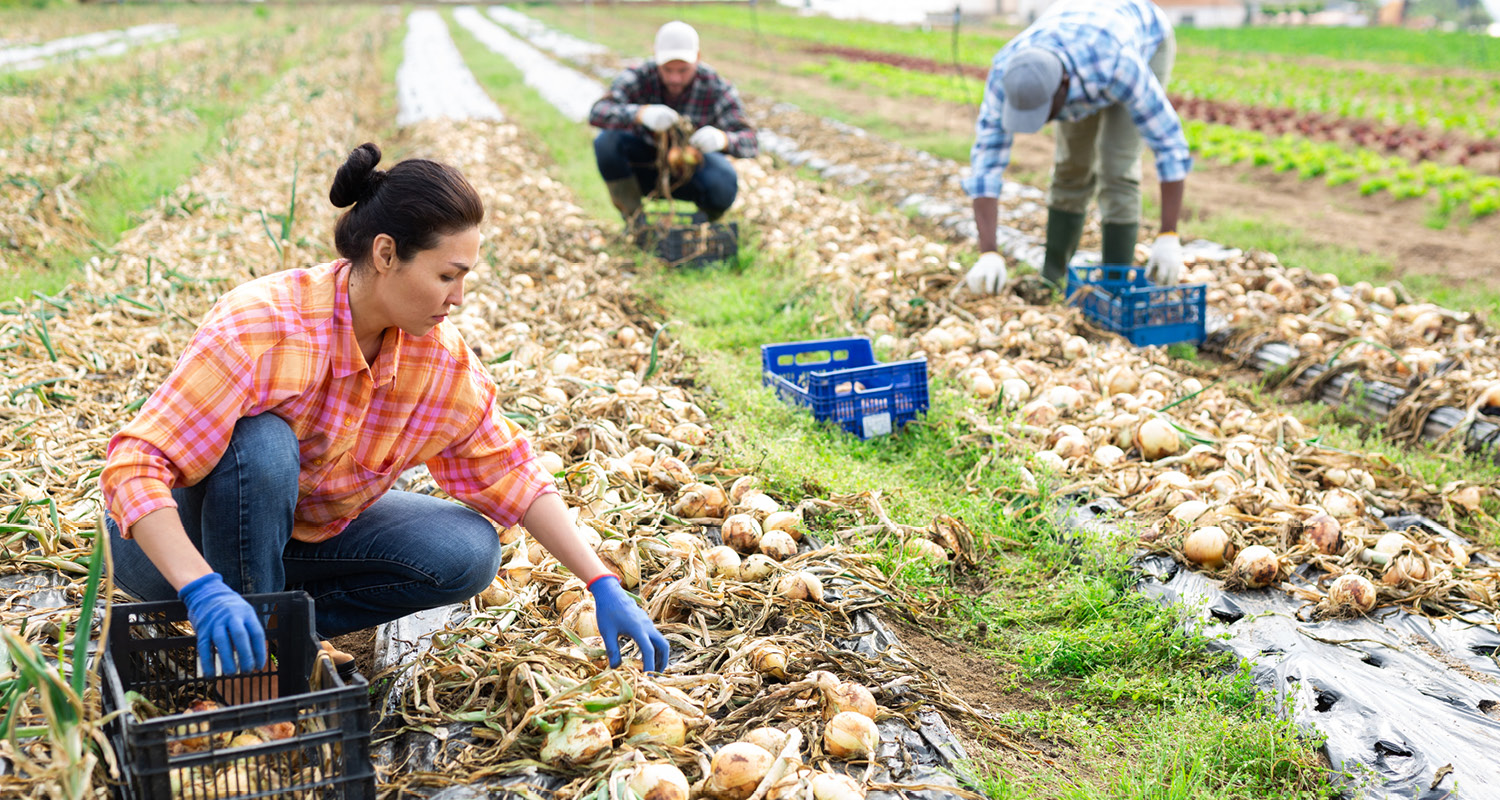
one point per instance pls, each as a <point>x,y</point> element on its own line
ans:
<point>1458,255</point>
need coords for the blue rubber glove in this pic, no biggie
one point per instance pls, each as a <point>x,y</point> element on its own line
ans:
<point>225,623</point>
<point>618,615</point>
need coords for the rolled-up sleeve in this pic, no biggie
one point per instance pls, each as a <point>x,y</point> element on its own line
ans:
<point>492,467</point>
<point>990,154</point>
<point>1137,87</point>
<point>181,432</point>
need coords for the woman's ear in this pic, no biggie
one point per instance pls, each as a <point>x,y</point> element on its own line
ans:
<point>383,253</point>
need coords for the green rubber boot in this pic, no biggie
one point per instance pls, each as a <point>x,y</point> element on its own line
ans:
<point>1119,243</point>
<point>1064,230</point>
<point>625,193</point>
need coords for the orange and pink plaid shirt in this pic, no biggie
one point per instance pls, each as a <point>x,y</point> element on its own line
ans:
<point>284,344</point>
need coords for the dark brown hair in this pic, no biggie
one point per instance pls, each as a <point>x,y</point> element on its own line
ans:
<point>415,202</point>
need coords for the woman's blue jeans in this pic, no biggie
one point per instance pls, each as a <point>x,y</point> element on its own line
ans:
<point>621,154</point>
<point>407,552</point>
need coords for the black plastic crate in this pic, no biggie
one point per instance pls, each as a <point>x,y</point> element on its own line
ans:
<point>203,755</point>
<point>689,240</point>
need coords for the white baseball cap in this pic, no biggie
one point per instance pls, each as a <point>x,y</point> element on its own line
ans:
<point>676,41</point>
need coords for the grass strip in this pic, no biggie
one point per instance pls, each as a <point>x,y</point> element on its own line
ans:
<point>1092,663</point>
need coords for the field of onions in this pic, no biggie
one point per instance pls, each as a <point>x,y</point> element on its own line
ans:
<point>785,682</point>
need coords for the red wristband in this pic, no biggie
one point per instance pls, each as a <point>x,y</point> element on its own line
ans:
<point>602,577</point>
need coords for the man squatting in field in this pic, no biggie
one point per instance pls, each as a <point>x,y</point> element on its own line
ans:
<point>652,97</point>
<point>266,460</point>
<point>1099,67</point>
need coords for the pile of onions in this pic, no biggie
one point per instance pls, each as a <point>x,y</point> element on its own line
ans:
<point>850,735</point>
<point>1256,566</point>
<point>659,781</point>
<point>737,769</point>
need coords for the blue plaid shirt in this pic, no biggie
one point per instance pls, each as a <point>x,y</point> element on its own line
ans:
<point>1106,48</point>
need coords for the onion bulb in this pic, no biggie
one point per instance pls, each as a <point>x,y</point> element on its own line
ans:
<point>573,590</point>
<point>741,532</point>
<point>1391,544</point>
<point>800,585</point>
<point>847,696</point>
<point>1108,455</point>
<point>757,567</point>
<point>658,722</point>
<point>772,740</point>
<point>1410,567</point>
<point>768,658</point>
<point>778,545</point>
<point>684,545</point>
<point>669,474</point>
<point>833,786</point>
<point>1343,504</point>
<point>684,160</point>
<point>498,593</point>
<point>1156,438</point>
<point>742,486</point>
<point>1014,392</point>
<point>1350,595</point>
<point>1120,380</point>
<point>579,741</point>
<point>1255,566</point>
<point>659,781</point>
<point>1322,531</point>
<point>759,503</point>
<point>623,560</point>
<point>723,562</point>
<point>580,619</point>
<point>1192,511</point>
<point>737,769</point>
<point>850,735</point>
<point>1207,546</point>
<point>926,550</point>
<point>787,521</point>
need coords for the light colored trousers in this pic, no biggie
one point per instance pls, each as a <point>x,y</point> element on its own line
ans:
<point>1102,152</point>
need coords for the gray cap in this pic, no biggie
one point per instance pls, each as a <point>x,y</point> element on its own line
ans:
<point>1031,78</point>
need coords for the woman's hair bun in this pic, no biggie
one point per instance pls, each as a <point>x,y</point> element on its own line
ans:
<point>357,179</point>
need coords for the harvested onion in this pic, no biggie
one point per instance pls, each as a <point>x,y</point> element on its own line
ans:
<point>578,741</point>
<point>658,722</point>
<point>757,567</point>
<point>737,769</point>
<point>850,735</point>
<point>787,521</point>
<point>659,781</point>
<point>833,786</point>
<point>742,532</point>
<point>1255,566</point>
<point>1207,546</point>
<point>723,562</point>
<point>1156,439</point>
<point>1323,532</point>
<point>778,545</point>
<point>801,585</point>
<point>1350,595</point>
<point>768,738</point>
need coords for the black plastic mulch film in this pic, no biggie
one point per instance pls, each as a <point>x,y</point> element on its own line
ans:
<point>927,754</point>
<point>1409,705</point>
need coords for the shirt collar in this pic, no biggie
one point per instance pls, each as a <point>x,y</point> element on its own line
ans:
<point>347,357</point>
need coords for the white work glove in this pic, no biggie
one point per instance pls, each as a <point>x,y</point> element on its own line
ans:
<point>1164,268</point>
<point>988,274</point>
<point>657,117</point>
<point>709,139</point>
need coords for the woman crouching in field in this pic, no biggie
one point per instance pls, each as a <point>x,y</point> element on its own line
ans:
<point>265,462</point>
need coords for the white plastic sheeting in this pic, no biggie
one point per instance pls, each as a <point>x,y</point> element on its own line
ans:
<point>555,42</point>
<point>87,45</point>
<point>433,82</point>
<point>572,92</point>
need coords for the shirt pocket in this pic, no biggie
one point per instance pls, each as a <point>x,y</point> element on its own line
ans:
<point>351,486</point>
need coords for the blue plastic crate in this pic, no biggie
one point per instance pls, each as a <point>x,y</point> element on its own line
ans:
<point>840,381</point>
<point>1121,299</point>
